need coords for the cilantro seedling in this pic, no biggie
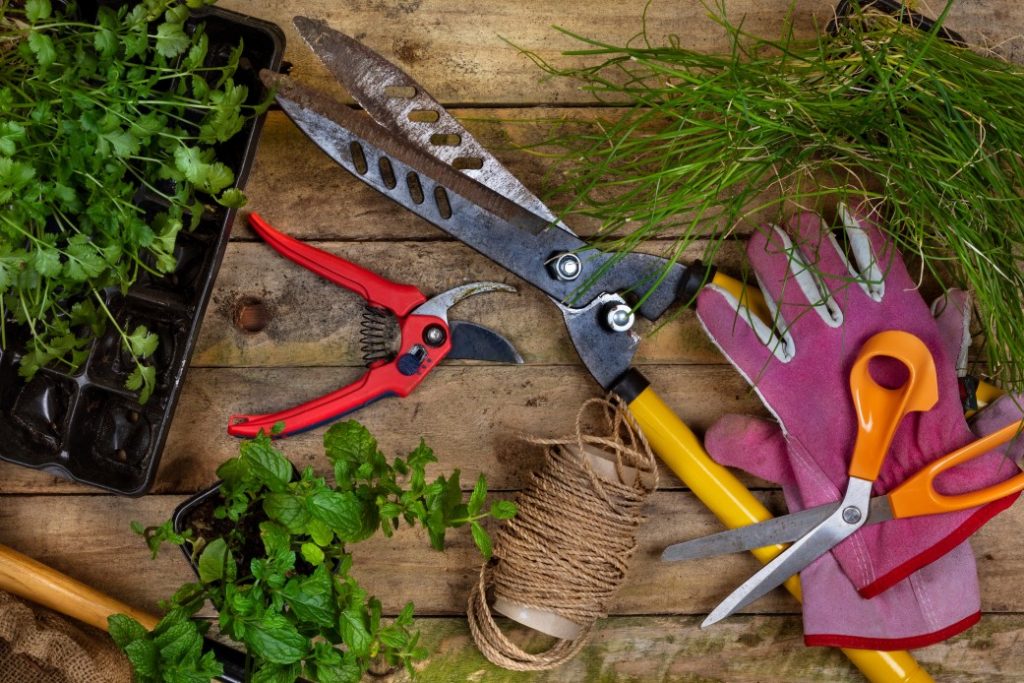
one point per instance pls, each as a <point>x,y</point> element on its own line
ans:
<point>278,570</point>
<point>107,134</point>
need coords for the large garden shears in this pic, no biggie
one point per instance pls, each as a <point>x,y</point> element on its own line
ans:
<point>817,530</point>
<point>414,152</point>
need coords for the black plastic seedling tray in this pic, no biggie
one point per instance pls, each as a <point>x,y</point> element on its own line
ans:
<point>86,426</point>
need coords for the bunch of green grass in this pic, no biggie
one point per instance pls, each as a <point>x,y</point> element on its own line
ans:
<point>876,109</point>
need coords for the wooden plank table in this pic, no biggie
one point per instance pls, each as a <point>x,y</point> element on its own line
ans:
<point>472,413</point>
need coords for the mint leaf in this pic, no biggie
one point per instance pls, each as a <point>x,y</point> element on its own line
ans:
<point>124,629</point>
<point>476,499</point>
<point>288,510</point>
<point>312,553</point>
<point>503,509</point>
<point>214,560</point>
<point>312,598</point>
<point>354,632</point>
<point>342,512</point>
<point>266,463</point>
<point>275,639</point>
<point>481,539</point>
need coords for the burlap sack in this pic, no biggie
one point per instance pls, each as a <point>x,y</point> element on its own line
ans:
<point>38,646</point>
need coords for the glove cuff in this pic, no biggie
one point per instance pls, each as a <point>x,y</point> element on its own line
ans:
<point>937,550</point>
<point>910,643</point>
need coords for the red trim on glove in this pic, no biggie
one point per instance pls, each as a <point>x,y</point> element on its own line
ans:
<point>959,535</point>
<point>923,640</point>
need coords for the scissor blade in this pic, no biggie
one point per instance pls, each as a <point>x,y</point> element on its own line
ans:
<point>784,529</point>
<point>473,213</point>
<point>404,107</point>
<point>476,342</point>
<point>806,549</point>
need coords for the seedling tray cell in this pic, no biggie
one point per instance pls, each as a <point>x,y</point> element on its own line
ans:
<point>86,426</point>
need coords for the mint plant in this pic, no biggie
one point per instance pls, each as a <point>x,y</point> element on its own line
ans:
<point>96,118</point>
<point>278,574</point>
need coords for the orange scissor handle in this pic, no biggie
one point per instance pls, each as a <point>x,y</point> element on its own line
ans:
<point>880,409</point>
<point>917,495</point>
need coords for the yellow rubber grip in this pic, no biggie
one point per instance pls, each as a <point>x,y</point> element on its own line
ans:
<point>735,506</point>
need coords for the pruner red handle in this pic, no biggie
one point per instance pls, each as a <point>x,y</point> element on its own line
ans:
<point>398,298</point>
<point>380,382</point>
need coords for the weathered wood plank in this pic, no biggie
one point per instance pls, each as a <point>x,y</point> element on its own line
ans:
<point>302,191</point>
<point>309,321</point>
<point>742,649</point>
<point>89,538</point>
<point>472,416</point>
<point>462,57</point>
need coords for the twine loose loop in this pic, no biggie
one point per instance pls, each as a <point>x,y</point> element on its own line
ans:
<point>568,548</point>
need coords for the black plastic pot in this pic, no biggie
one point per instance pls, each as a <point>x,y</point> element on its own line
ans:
<point>87,427</point>
<point>184,513</point>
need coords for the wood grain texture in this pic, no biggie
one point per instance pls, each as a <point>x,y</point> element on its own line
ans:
<point>462,56</point>
<point>746,649</point>
<point>90,541</point>
<point>473,416</point>
<point>311,322</point>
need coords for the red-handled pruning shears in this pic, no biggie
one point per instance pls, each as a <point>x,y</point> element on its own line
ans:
<point>425,337</point>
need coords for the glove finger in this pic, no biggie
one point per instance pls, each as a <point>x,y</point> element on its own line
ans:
<point>829,262</point>
<point>1001,412</point>
<point>875,258</point>
<point>741,336</point>
<point>952,313</point>
<point>791,287</point>
<point>753,445</point>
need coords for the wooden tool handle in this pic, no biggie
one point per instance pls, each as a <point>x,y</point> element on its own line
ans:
<point>34,581</point>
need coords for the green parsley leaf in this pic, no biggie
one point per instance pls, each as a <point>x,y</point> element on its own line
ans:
<point>37,10</point>
<point>42,47</point>
<point>171,40</point>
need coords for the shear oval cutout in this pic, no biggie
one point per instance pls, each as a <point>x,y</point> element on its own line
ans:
<point>412,181</point>
<point>358,157</point>
<point>387,174</point>
<point>441,200</point>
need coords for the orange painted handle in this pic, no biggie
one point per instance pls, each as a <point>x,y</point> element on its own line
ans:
<point>879,409</point>
<point>46,586</point>
<point>917,496</point>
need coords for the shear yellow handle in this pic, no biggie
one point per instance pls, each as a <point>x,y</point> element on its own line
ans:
<point>735,506</point>
<point>34,581</point>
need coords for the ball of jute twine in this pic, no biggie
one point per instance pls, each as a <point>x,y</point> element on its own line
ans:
<point>567,549</point>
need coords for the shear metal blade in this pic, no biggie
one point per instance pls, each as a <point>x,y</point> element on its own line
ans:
<point>473,213</point>
<point>404,107</point>
<point>826,535</point>
<point>784,529</point>
<point>476,342</point>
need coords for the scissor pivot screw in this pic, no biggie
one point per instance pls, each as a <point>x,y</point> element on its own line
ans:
<point>434,335</point>
<point>566,267</point>
<point>619,318</point>
<point>851,515</point>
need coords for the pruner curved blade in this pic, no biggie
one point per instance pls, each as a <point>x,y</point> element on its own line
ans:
<point>471,341</point>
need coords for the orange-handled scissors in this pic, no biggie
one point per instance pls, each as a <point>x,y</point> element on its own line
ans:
<point>817,530</point>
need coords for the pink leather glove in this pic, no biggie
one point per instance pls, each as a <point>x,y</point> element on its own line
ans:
<point>827,308</point>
